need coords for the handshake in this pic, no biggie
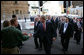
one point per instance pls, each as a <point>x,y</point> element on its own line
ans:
<point>54,38</point>
<point>30,35</point>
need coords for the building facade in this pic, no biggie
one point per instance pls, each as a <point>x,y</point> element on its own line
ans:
<point>53,7</point>
<point>77,3</point>
<point>34,7</point>
<point>19,8</point>
<point>77,8</point>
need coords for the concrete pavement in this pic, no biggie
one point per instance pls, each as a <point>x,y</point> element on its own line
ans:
<point>29,46</point>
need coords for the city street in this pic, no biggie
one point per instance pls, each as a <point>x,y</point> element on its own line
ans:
<point>29,46</point>
<point>66,15</point>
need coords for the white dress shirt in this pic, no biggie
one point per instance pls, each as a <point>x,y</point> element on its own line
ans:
<point>78,24</point>
<point>65,27</point>
<point>36,23</point>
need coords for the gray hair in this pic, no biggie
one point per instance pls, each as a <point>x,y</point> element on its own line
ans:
<point>43,17</point>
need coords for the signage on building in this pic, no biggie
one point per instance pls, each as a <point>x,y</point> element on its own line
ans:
<point>35,7</point>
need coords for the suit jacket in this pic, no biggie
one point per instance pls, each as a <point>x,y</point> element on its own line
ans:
<point>35,29</point>
<point>18,27</point>
<point>77,30</point>
<point>68,32</point>
<point>55,25</point>
<point>48,34</point>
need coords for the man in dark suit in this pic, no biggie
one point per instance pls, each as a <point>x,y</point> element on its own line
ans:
<point>78,30</point>
<point>54,25</point>
<point>66,33</point>
<point>46,32</point>
<point>36,36</point>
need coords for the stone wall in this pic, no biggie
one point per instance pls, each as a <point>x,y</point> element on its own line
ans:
<point>8,8</point>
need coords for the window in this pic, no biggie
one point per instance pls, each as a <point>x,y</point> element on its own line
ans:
<point>17,12</point>
<point>15,2</point>
<point>13,12</point>
<point>20,12</point>
<point>28,4</point>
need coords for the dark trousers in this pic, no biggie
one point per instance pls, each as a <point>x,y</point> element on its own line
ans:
<point>38,44</point>
<point>47,46</point>
<point>65,42</point>
<point>77,36</point>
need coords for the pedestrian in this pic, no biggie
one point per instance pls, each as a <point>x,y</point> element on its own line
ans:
<point>62,20</point>
<point>45,30</point>
<point>36,35</point>
<point>66,33</point>
<point>25,19</point>
<point>54,25</point>
<point>15,17</point>
<point>10,37</point>
<point>20,44</point>
<point>6,23</point>
<point>78,31</point>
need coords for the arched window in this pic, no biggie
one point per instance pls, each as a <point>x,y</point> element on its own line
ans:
<point>17,12</point>
<point>20,12</point>
<point>13,12</point>
<point>15,2</point>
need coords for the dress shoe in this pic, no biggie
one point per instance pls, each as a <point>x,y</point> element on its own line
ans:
<point>36,47</point>
<point>40,48</point>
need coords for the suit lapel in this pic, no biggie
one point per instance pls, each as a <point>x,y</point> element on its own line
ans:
<point>41,26</point>
<point>47,25</point>
<point>67,27</point>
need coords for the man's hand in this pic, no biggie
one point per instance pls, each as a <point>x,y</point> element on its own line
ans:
<point>25,33</point>
<point>30,35</point>
<point>54,38</point>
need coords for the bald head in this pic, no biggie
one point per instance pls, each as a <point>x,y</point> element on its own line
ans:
<point>36,19</point>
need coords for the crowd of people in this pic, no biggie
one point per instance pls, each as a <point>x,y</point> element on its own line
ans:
<point>12,37</point>
<point>45,30</point>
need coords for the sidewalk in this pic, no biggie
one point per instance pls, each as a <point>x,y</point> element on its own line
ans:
<point>24,25</point>
<point>29,46</point>
<point>22,20</point>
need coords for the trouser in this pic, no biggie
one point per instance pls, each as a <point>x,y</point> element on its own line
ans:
<point>14,50</point>
<point>77,36</point>
<point>40,41</point>
<point>47,46</point>
<point>65,42</point>
<point>36,42</point>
